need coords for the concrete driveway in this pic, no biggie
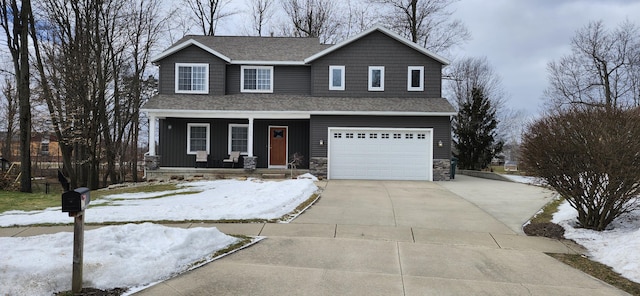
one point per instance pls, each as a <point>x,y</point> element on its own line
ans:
<point>398,238</point>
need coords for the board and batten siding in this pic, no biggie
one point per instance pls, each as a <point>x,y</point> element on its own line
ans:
<point>376,49</point>
<point>298,139</point>
<point>441,129</point>
<point>192,54</point>
<point>173,142</point>
<point>287,80</point>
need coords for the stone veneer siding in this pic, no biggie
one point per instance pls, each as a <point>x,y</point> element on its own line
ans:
<point>441,168</point>
<point>318,167</point>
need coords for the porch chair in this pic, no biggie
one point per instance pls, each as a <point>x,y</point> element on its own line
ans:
<point>233,159</point>
<point>201,157</point>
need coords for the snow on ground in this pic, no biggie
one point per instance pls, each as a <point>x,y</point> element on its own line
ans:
<point>617,247</point>
<point>114,256</point>
<point>203,200</point>
<point>134,255</point>
<point>524,179</point>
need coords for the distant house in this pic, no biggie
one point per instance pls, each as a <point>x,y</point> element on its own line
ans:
<point>44,147</point>
<point>370,107</point>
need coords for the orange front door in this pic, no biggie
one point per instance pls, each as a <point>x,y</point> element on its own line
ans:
<point>277,146</point>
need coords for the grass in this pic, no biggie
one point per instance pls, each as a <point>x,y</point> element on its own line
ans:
<point>580,262</point>
<point>11,200</point>
<point>599,271</point>
<point>39,200</point>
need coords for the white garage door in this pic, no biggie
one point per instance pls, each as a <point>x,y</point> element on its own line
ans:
<point>380,154</point>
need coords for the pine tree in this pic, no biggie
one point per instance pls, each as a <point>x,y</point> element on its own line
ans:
<point>474,130</point>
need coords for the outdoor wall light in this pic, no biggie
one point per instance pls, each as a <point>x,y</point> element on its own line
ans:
<point>169,127</point>
<point>440,144</point>
<point>321,142</point>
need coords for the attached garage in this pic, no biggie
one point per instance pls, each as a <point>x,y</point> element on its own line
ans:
<point>380,153</point>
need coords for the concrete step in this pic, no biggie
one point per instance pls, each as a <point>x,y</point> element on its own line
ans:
<point>273,176</point>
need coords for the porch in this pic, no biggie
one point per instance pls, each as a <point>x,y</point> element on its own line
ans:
<point>184,173</point>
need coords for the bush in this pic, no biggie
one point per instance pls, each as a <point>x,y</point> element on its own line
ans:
<point>591,157</point>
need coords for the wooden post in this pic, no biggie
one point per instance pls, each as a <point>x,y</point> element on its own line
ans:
<point>78,250</point>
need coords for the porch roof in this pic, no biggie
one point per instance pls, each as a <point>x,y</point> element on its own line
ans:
<point>298,104</point>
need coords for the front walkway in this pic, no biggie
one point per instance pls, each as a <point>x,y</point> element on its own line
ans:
<point>397,238</point>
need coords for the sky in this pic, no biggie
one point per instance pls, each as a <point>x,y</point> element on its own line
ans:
<point>520,37</point>
<point>139,255</point>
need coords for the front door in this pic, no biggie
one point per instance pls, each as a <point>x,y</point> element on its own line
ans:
<point>277,146</point>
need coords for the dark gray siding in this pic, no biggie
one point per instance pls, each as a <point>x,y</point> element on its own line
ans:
<point>173,142</point>
<point>298,139</point>
<point>376,49</point>
<point>288,80</point>
<point>441,129</point>
<point>192,54</point>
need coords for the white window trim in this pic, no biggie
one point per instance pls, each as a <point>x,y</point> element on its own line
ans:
<point>206,78</point>
<point>371,69</point>
<point>189,125</point>
<point>331,86</point>
<point>232,125</point>
<point>242,89</point>
<point>409,78</point>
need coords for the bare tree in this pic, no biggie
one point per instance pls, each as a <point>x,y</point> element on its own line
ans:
<point>261,12</point>
<point>473,72</point>
<point>601,71</point>
<point>9,108</point>
<point>91,79</point>
<point>314,18</point>
<point>15,21</point>
<point>207,13</point>
<point>426,22</point>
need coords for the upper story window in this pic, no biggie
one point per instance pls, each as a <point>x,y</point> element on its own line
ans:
<point>256,79</point>
<point>197,137</point>
<point>415,78</point>
<point>192,78</point>
<point>336,77</point>
<point>376,78</point>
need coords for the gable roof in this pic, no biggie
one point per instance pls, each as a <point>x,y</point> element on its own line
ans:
<point>385,31</point>
<point>249,50</point>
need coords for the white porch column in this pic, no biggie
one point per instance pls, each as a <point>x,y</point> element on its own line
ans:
<point>152,135</point>
<point>250,138</point>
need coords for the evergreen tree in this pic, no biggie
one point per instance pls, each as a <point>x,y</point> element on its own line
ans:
<point>474,131</point>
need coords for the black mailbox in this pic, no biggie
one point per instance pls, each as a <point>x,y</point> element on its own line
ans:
<point>76,200</point>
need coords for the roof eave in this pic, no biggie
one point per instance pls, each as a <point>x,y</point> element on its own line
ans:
<point>186,44</point>
<point>282,114</point>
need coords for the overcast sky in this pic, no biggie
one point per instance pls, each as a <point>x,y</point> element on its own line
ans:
<point>519,37</point>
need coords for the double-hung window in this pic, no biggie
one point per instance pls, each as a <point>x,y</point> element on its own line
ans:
<point>256,79</point>
<point>336,77</point>
<point>239,138</point>
<point>415,78</point>
<point>197,137</point>
<point>192,78</point>
<point>376,78</point>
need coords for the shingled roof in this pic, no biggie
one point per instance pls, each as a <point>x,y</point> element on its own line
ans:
<point>250,48</point>
<point>298,103</point>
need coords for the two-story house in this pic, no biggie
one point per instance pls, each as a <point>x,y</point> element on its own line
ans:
<point>370,107</point>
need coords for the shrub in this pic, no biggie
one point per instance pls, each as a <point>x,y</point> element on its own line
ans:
<point>591,157</point>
